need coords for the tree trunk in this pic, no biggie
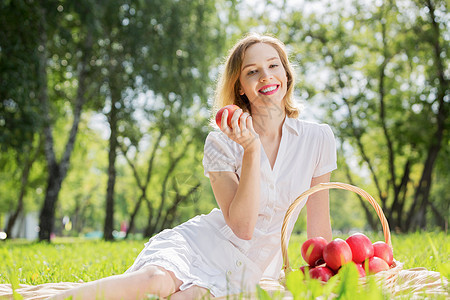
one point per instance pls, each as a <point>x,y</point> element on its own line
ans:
<point>109,218</point>
<point>29,161</point>
<point>399,207</point>
<point>133,216</point>
<point>368,210</point>
<point>416,219</point>
<point>172,211</point>
<point>152,227</point>
<point>395,212</point>
<point>440,220</point>
<point>143,187</point>
<point>149,229</point>
<point>79,214</point>
<point>57,171</point>
<point>47,216</point>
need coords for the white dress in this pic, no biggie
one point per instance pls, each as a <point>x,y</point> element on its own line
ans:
<point>205,252</point>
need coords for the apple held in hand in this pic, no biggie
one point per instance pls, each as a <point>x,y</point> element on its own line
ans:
<point>337,253</point>
<point>361,247</point>
<point>321,273</point>
<point>374,265</point>
<point>383,251</point>
<point>312,250</point>
<point>231,109</point>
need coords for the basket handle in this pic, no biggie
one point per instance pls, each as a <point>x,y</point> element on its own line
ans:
<point>326,186</point>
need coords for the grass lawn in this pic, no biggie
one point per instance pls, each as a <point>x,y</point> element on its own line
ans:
<point>73,260</point>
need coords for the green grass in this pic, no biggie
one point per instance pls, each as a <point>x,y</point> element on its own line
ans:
<point>73,260</point>
<point>69,260</point>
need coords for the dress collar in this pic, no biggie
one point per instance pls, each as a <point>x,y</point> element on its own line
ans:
<point>290,124</point>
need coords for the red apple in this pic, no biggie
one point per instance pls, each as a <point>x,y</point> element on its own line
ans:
<point>305,269</point>
<point>383,251</point>
<point>375,265</point>
<point>337,253</point>
<point>231,109</point>
<point>361,271</point>
<point>359,268</point>
<point>321,273</point>
<point>361,247</point>
<point>312,250</point>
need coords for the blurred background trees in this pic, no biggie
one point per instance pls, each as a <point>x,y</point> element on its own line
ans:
<point>105,107</point>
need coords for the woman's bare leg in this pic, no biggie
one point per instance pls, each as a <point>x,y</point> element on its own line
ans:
<point>134,286</point>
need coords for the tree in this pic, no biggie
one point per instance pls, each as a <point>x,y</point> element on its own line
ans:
<point>24,178</point>
<point>181,45</point>
<point>19,108</point>
<point>144,46</point>
<point>82,39</point>
<point>433,36</point>
<point>118,56</point>
<point>385,90</point>
<point>101,56</point>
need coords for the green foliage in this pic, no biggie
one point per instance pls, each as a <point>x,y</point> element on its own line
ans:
<point>344,285</point>
<point>375,71</point>
<point>19,105</point>
<point>83,191</point>
<point>152,62</point>
<point>157,64</point>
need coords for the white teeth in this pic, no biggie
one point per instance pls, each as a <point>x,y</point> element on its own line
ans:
<point>269,89</point>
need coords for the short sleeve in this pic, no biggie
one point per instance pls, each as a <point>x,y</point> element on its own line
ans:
<point>326,161</point>
<point>219,154</point>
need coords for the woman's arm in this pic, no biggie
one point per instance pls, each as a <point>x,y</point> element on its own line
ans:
<point>318,211</point>
<point>239,198</point>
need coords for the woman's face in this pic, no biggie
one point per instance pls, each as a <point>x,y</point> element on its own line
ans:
<point>263,78</point>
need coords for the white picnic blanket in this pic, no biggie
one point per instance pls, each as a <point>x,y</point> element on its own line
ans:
<point>417,283</point>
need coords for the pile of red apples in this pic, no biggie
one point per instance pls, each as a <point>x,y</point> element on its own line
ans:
<point>325,259</point>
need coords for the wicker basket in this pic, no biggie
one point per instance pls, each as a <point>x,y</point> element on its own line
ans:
<point>388,276</point>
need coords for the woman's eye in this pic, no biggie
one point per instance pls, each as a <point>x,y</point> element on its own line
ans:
<point>273,65</point>
<point>251,72</point>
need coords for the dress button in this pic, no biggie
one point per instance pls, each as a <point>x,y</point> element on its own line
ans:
<point>238,263</point>
<point>271,186</point>
<point>229,273</point>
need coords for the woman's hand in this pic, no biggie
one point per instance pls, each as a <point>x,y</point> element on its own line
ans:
<point>241,130</point>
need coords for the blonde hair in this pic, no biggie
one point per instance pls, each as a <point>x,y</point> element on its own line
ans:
<point>228,85</point>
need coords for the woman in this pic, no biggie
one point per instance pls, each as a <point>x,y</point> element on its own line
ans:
<point>257,167</point>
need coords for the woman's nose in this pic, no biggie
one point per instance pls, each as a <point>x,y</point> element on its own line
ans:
<point>265,75</point>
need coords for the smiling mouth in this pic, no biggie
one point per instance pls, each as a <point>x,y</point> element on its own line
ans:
<point>269,89</point>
